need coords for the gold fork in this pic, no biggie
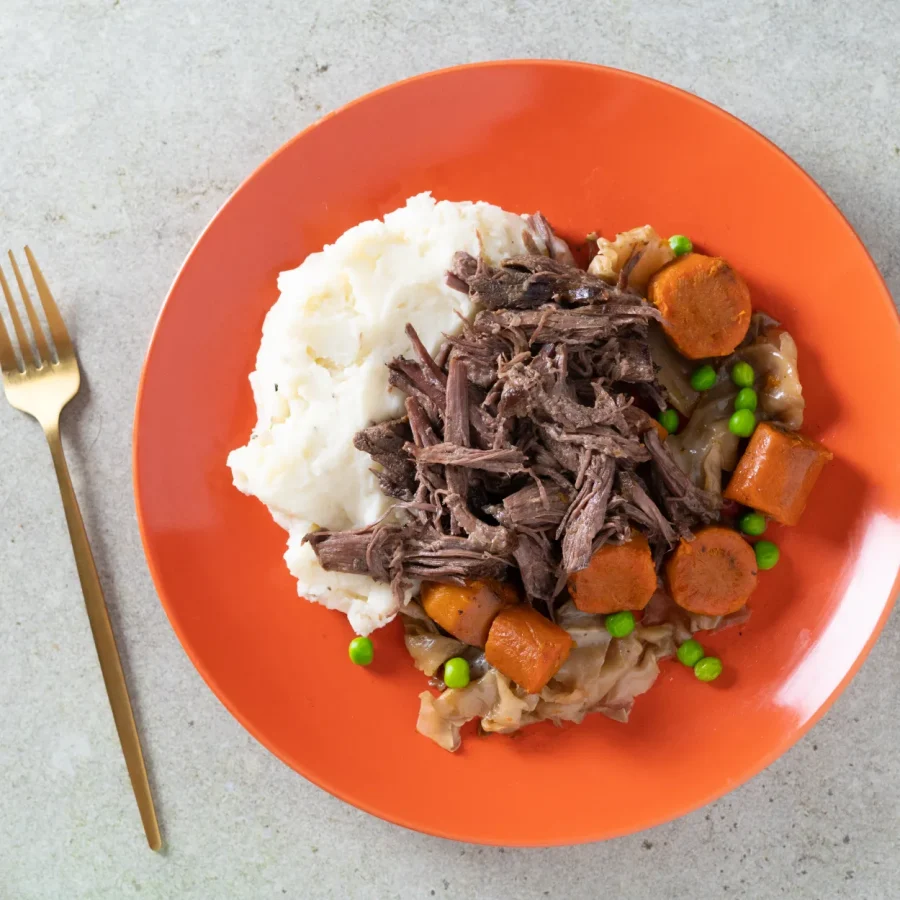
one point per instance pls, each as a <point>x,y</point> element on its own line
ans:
<point>41,383</point>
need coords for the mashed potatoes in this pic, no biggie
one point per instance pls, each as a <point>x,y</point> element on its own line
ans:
<point>321,375</point>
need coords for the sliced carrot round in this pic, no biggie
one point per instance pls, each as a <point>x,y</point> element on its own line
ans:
<point>619,577</point>
<point>705,305</point>
<point>712,575</point>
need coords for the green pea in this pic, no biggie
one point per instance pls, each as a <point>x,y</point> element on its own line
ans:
<point>743,375</point>
<point>703,378</point>
<point>752,523</point>
<point>669,420</point>
<point>746,399</point>
<point>767,554</point>
<point>742,423</point>
<point>456,672</point>
<point>690,653</point>
<point>708,669</point>
<point>620,624</point>
<point>361,651</point>
<point>680,244</point>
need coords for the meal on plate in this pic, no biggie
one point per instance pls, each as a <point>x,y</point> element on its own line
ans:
<point>557,477</point>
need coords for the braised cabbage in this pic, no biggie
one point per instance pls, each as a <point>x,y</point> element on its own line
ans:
<point>706,447</point>
<point>673,371</point>
<point>601,674</point>
<point>492,698</point>
<point>613,255</point>
<point>773,356</point>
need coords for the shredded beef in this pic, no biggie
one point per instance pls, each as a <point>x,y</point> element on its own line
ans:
<point>557,248</point>
<point>538,563</point>
<point>686,504</point>
<point>626,360</point>
<point>522,449</point>
<point>537,505</point>
<point>447,454</point>
<point>586,514</point>
<point>456,431</point>
<point>411,550</point>
<point>385,443</point>
<point>554,324</point>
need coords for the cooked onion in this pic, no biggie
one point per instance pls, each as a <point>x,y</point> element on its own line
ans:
<point>491,698</point>
<point>426,645</point>
<point>674,371</point>
<point>612,256</point>
<point>600,675</point>
<point>706,447</point>
<point>773,356</point>
<point>662,611</point>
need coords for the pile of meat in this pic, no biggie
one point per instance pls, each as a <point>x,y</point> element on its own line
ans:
<point>528,441</point>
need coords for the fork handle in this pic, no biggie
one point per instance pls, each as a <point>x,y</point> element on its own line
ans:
<point>105,641</point>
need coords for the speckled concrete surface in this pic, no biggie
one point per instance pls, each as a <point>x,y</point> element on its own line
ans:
<point>123,126</point>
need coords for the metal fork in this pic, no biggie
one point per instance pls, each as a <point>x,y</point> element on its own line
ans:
<point>41,382</point>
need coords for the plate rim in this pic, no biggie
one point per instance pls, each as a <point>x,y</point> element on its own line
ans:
<point>325,783</point>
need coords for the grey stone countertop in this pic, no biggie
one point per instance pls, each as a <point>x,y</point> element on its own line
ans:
<point>124,124</point>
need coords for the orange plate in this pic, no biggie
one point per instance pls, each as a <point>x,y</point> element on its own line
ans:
<point>593,148</point>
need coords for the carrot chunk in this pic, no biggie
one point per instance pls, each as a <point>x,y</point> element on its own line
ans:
<point>777,472</point>
<point>466,611</point>
<point>705,305</point>
<point>619,577</point>
<point>526,647</point>
<point>712,575</point>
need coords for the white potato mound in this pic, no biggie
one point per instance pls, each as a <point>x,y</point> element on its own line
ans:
<point>321,375</point>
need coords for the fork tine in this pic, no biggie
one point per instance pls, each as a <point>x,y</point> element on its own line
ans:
<point>58,330</point>
<point>8,361</point>
<point>36,328</point>
<point>24,343</point>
